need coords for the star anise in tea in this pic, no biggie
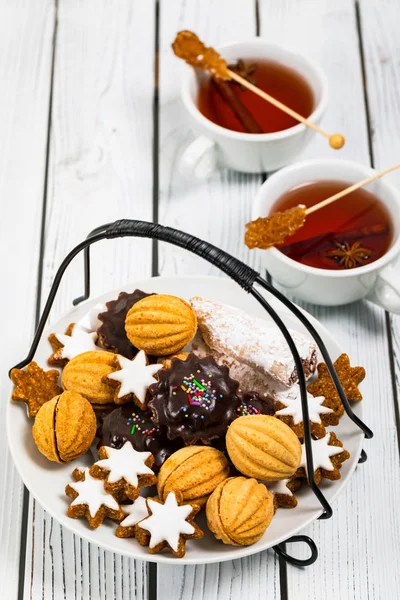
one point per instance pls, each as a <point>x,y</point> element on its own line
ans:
<point>348,255</point>
<point>244,70</point>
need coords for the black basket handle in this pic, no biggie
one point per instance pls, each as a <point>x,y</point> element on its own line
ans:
<point>237,270</point>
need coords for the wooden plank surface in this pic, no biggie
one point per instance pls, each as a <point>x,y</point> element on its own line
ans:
<point>25,65</point>
<point>351,566</point>
<point>100,169</point>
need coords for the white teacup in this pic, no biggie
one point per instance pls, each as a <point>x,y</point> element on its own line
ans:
<point>218,147</point>
<point>378,281</point>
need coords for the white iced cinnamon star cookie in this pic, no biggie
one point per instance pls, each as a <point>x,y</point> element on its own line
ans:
<point>282,492</point>
<point>169,525</point>
<point>124,470</point>
<point>135,512</point>
<point>91,500</point>
<point>328,456</point>
<point>90,321</point>
<point>133,379</point>
<point>253,341</point>
<point>71,343</point>
<point>289,409</point>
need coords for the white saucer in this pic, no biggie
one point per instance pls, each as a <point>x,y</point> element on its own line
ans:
<point>46,480</point>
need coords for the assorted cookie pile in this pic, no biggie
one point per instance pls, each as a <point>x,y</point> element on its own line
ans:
<point>198,402</point>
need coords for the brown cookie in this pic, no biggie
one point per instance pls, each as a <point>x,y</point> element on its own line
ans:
<point>328,457</point>
<point>65,427</point>
<point>135,512</point>
<point>283,492</point>
<point>132,378</point>
<point>34,386</point>
<point>288,408</point>
<point>124,470</point>
<point>239,511</point>
<point>90,501</point>
<point>69,344</point>
<point>168,525</point>
<point>194,471</point>
<point>350,378</point>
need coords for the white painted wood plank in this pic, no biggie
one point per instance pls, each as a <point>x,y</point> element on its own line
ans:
<point>25,59</point>
<point>216,211</point>
<point>100,170</point>
<point>353,548</point>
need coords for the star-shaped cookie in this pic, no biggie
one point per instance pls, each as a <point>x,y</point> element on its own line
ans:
<point>169,525</point>
<point>350,377</point>
<point>90,322</point>
<point>133,379</point>
<point>34,386</point>
<point>282,492</point>
<point>125,470</point>
<point>71,343</point>
<point>135,512</point>
<point>288,408</point>
<point>328,456</point>
<point>91,500</point>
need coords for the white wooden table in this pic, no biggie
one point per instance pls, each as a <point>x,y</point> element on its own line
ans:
<point>87,136</point>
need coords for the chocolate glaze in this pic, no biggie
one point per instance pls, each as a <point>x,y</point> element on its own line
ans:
<point>254,404</point>
<point>194,399</point>
<point>111,332</point>
<point>129,423</point>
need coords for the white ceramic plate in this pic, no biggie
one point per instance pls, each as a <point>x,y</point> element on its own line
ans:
<point>46,480</point>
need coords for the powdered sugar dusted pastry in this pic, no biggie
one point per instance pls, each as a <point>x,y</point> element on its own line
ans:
<point>288,408</point>
<point>253,341</point>
<point>91,500</point>
<point>137,511</point>
<point>169,525</point>
<point>90,321</point>
<point>133,379</point>
<point>71,343</point>
<point>248,377</point>
<point>328,456</point>
<point>125,470</point>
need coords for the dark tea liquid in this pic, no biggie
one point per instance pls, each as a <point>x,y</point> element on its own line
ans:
<point>280,81</point>
<point>359,218</point>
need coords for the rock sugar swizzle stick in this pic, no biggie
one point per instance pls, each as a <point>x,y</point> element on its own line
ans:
<point>190,48</point>
<point>265,232</point>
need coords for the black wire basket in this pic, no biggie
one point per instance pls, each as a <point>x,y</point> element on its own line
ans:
<point>246,277</point>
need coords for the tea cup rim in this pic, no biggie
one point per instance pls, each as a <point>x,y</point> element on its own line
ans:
<point>258,137</point>
<point>261,202</point>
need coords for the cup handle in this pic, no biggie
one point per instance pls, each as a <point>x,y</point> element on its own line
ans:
<point>199,160</point>
<point>386,292</point>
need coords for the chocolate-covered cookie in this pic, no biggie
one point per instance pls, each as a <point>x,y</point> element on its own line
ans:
<point>254,404</point>
<point>112,335</point>
<point>194,399</point>
<point>129,423</point>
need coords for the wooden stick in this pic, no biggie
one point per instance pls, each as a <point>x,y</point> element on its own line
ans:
<point>336,140</point>
<point>350,189</point>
